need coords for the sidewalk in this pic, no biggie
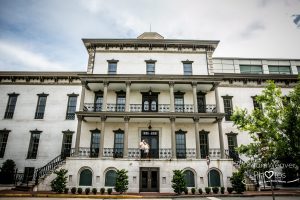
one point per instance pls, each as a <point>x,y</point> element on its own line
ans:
<point>11,193</point>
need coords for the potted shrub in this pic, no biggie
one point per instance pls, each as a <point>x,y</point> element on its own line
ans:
<point>66,190</point>
<point>87,190</point>
<point>229,190</point>
<point>186,190</point>
<point>200,191</point>
<point>102,190</point>
<point>121,181</point>
<point>193,190</point>
<point>79,190</point>
<point>207,190</point>
<point>222,190</point>
<point>215,190</point>
<point>94,190</point>
<point>109,190</point>
<point>73,190</point>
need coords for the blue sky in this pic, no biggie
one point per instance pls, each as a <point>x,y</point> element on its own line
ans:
<point>40,35</point>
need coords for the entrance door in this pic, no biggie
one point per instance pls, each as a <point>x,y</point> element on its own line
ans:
<point>149,179</point>
<point>151,138</point>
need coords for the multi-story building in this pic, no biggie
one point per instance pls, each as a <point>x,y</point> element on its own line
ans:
<point>171,94</point>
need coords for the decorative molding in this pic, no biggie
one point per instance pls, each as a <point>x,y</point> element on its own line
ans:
<point>5,130</point>
<point>181,131</point>
<point>150,61</point>
<point>35,131</point>
<point>203,132</point>
<point>112,61</point>
<point>68,131</point>
<point>227,96</point>
<point>96,130</point>
<point>231,133</point>
<point>187,62</point>
<point>43,94</point>
<point>73,95</point>
<point>13,94</point>
<point>118,131</point>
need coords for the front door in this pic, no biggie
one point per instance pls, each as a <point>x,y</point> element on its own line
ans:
<point>151,138</point>
<point>149,179</point>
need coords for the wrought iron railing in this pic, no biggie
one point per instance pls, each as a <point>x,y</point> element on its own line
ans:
<point>184,108</point>
<point>70,116</point>
<point>208,108</point>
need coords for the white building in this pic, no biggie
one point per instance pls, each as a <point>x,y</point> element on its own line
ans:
<point>170,93</point>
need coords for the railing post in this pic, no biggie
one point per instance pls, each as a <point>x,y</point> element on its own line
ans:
<point>104,105</point>
<point>194,85</point>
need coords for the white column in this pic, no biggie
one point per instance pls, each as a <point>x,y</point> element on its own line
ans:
<point>126,131</point>
<point>78,134</point>
<point>219,120</point>
<point>172,108</point>
<point>127,106</point>
<point>173,139</point>
<point>102,136</point>
<point>104,105</point>
<point>194,84</point>
<point>196,122</point>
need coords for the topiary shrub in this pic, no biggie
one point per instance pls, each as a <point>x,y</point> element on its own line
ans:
<point>178,181</point>
<point>79,190</point>
<point>229,190</point>
<point>200,191</point>
<point>237,181</point>
<point>193,190</point>
<point>102,190</point>
<point>222,190</point>
<point>87,190</point>
<point>59,183</point>
<point>207,190</point>
<point>94,190</point>
<point>121,181</point>
<point>66,190</point>
<point>186,190</point>
<point>109,190</point>
<point>215,190</point>
<point>7,172</point>
<point>73,190</point>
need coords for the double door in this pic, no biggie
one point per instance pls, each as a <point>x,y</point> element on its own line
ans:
<point>149,179</point>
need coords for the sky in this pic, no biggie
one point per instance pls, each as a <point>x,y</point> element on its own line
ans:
<point>45,35</point>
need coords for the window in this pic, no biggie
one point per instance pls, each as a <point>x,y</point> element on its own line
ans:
<point>227,107</point>
<point>85,178</point>
<point>3,141</point>
<point>189,178</point>
<point>34,144</point>
<point>71,106</point>
<point>112,66</point>
<point>121,99</point>
<point>256,105</point>
<point>180,144</point>
<point>251,69</point>
<point>41,104</point>
<point>150,66</point>
<point>11,104</point>
<point>110,178</point>
<point>279,69</point>
<point>204,148</point>
<point>95,143</point>
<point>28,174</point>
<point>98,101</point>
<point>67,143</point>
<point>232,144</point>
<point>298,69</point>
<point>187,67</point>
<point>119,143</point>
<point>179,101</point>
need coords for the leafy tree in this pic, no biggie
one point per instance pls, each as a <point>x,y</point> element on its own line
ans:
<point>178,181</point>
<point>121,181</point>
<point>59,183</point>
<point>237,181</point>
<point>7,172</point>
<point>274,128</point>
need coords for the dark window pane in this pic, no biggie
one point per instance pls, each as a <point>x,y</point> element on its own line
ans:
<point>3,142</point>
<point>33,145</point>
<point>279,70</point>
<point>189,178</point>
<point>28,174</point>
<point>112,68</point>
<point>150,68</point>
<point>71,109</point>
<point>95,144</point>
<point>251,69</point>
<point>110,178</point>
<point>85,178</point>
<point>204,145</point>
<point>118,144</point>
<point>187,69</point>
<point>40,109</point>
<point>180,145</point>
<point>227,108</point>
<point>11,104</point>
<point>67,144</point>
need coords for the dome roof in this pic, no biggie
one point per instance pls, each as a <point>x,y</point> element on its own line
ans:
<point>150,35</point>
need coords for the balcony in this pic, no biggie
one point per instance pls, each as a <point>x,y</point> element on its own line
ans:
<point>186,108</point>
<point>113,152</point>
<point>185,153</point>
<point>139,108</point>
<point>208,108</point>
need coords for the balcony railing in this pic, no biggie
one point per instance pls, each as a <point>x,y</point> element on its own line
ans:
<point>214,153</point>
<point>84,152</point>
<point>208,108</point>
<point>187,108</point>
<point>139,108</point>
<point>115,107</point>
<point>92,107</point>
<point>185,153</point>
<point>113,152</point>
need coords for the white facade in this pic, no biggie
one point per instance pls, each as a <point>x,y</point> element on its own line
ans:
<point>168,109</point>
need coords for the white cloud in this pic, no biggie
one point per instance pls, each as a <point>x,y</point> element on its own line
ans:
<point>17,55</point>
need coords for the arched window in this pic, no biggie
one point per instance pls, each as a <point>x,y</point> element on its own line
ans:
<point>214,178</point>
<point>110,178</point>
<point>146,105</point>
<point>189,178</point>
<point>85,178</point>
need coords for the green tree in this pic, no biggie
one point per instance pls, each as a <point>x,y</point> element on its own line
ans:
<point>237,181</point>
<point>178,181</point>
<point>7,172</point>
<point>274,129</point>
<point>59,183</point>
<point>121,181</point>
